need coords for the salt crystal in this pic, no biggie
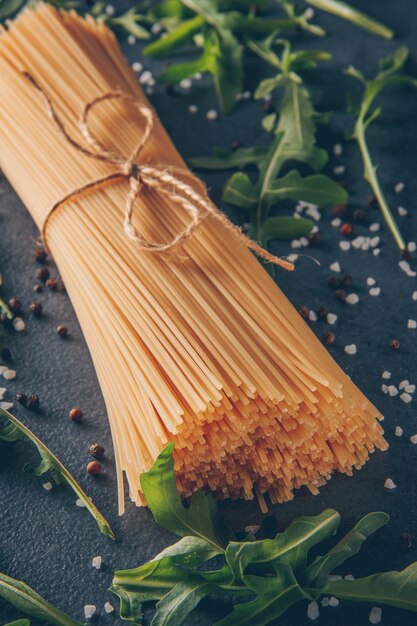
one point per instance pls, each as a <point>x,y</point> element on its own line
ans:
<point>398,431</point>
<point>358,242</point>
<point>252,529</point>
<point>19,324</point>
<point>108,608</point>
<point>352,298</point>
<point>413,439</point>
<point>2,392</point>
<point>376,251</point>
<point>156,28</point>
<point>344,245</point>
<point>410,324</point>
<point>410,388</point>
<point>145,77</point>
<point>313,610</point>
<point>405,266</point>
<point>304,241</point>
<point>333,601</point>
<point>47,486</point>
<point>9,374</point>
<point>212,115</point>
<point>399,187</point>
<point>331,318</point>
<point>414,296</point>
<point>198,76</point>
<point>339,169</point>
<point>325,602</point>
<point>89,610</point>
<point>336,222</point>
<point>186,83</point>
<point>375,616</point>
<point>295,244</point>
<point>374,241</point>
<point>402,212</point>
<point>350,349</point>
<point>403,384</point>
<point>412,246</point>
<point>384,388</point>
<point>374,227</point>
<point>131,40</point>
<point>80,503</point>
<point>375,291</point>
<point>349,577</point>
<point>309,13</point>
<point>96,562</point>
<point>109,9</point>
<point>406,397</point>
<point>137,67</point>
<point>386,375</point>
<point>335,267</point>
<point>3,368</point>
<point>6,405</point>
<point>292,258</point>
<point>389,484</point>
<point>370,281</point>
<point>312,316</point>
<point>337,149</point>
<point>246,95</point>
<point>365,246</point>
<point>192,108</point>
<point>393,391</point>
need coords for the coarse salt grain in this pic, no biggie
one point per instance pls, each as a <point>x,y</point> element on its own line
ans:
<point>384,388</point>
<point>6,405</point>
<point>3,368</point>
<point>349,577</point>
<point>386,375</point>
<point>352,298</point>
<point>108,608</point>
<point>47,486</point>
<point>313,610</point>
<point>252,529</point>
<point>212,115</point>
<point>186,83</point>
<point>192,108</point>
<point>374,241</point>
<point>339,169</point>
<point>410,388</point>
<point>375,291</point>
<point>393,391</point>
<point>335,267</point>
<point>406,397</point>
<point>405,266</point>
<point>402,212</point>
<point>403,384</point>
<point>156,28</point>
<point>295,244</point>
<point>336,222</point>
<point>375,616</point>
<point>146,77</point>
<point>331,318</point>
<point>109,9</point>
<point>398,431</point>
<point>137,67</point>
<point>2,392</point>
<point>412,246</point>
<point>344,245</point>
<point>414,296</point>
<point>337,149</point>
<point>389,484</point>
<point>374,227</point>
<point>312,316</point>
<point>131,40</point>
<point>80,503</point>
<point>292,258</point>
<point>9,374</point>
<point>350,349</point>
<point>97,562</point>
<point>19,324</point>
<point>399,187</point>
<point>411,324</point>
<point>413,439</point>
<point>89,610</point>
<point>325,602</point>
<point>370,281</point>
<point>333,601</point>
<point>376,252</point>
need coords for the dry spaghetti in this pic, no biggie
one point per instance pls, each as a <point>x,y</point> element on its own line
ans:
<point>209,352</point>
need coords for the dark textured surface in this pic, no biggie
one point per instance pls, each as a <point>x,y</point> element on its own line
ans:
<point>49,542</point>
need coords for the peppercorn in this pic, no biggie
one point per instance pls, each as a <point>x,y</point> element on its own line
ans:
<point>407,541</point>
<point>15,305</point>
<point>406,254</point>
<point>359,215</point>
<point>38,289</point>
<point>33,402</point>
<point>395,344</point>
<point>40,255</point>
<point>35,308</point>
<point>97,450</point>
<point>346,279</point>
<point>22,398</point>
<point>346,230</point>
<point>6,355</point>
<point>314,239</point>
<point>328,338</point>
<point>43,274</point>
<point>93,467</point>
<point>333,282</point>
<point>340,294</point>
<point>323,311</point>
<point>338,210</point>
<point>62,331</point>
<point>52,284</point>
<point>76,414</point>
<point>304,312</point>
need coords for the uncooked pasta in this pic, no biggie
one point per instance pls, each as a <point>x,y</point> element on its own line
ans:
<point>197,346</point>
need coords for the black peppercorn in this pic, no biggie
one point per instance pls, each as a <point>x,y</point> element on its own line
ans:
<point>40,255</point>
<point>395,344</point>
<point>62,331</point>
<point>35,308</point>
<point>328,338</point>
<point>52,284</point>
<point>43,274</point>
<point>314,239</point>
<point>323,311</point>
<point>22,398</point>
<point>340,294</point>
<point>407,541</point>
<point>97,450</point>
<point>38,289</point>
<point>359,215</point>
<point>333,282</point>
<point>304,312</point>
<point>346,279</point>
<point>338,210</point>
<point>15,305</point>
<point>33,402</point>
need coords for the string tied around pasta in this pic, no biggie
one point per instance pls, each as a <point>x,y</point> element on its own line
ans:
<point>165,180</point>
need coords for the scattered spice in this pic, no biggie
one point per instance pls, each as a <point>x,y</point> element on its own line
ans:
<point>43,274</point>
<point>333,282</point>
<point>22,398</point>
<point>62,331</point>
<point>15,305</point>
<point>346,279</point>
<point>52,284</point>
<point>339,210</point>
<point>359,215</point>
<point>407,541</point>
<point>40,255</point>
<point>36,308</point>
<point>341,295</point>
<point>395,344</point>
<point>93,467</point>
<point>97,450</point>
<point>346,230</point>
<point>323,311</point>
<point>329,338</point>
<point>33,402</point>
<point>38,289</point>
<point>304,311</point>
<point>76,414</point>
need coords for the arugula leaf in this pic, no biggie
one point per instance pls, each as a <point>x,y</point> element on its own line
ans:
<point>397,589</point>
<point>50,463</point>
<point>318,189</point>
<point>29,602</point>
<point>224,160</point>
<point>9,8</point>
<point>189,552</point>
<point>159,487</point>
<point>4,309</point>
<point>386,77</point>
<point>286,228</point>
<point>20,622</point>
<point>347,12</point>
<point>177,38</point>
<point>178,603</point>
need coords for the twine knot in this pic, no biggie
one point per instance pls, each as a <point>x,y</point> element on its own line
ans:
<point>177,184</point>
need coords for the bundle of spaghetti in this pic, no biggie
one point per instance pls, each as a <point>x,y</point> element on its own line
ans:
<point>199,346</point>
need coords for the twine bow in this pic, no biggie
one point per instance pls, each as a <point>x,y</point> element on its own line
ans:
<point>166,180</point>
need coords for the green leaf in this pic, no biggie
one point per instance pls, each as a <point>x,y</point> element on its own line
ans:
<point>394,61</point>
<point>240,192</point>
<point>163,499</point>
<point>49,462</point>
<point>268,85</point>
<point>347,12</point>
<point>178,37</point>
<point>226,67</point>
<point>318,189</point>
<point>286,228</point>
<point>273,597</point>
<point>8,8</point>
<point>397,589</point>
<point>225,160</point>
<point>317,573</point>
<point>3,306</point>
<point>177,72</point>
<point>189,552</point>
<point>20,622</point>
<point>296,120</point>
<point>23,598</point>
<point>130,23</point>
<point>175,607</point>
